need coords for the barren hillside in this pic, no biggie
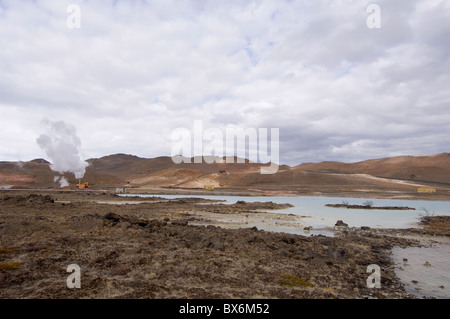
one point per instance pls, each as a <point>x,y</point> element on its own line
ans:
<point>435,168</point>
<point>396,174</point>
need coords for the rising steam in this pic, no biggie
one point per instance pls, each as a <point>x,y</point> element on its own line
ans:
<point>62,146</point>
<point>61,180</point>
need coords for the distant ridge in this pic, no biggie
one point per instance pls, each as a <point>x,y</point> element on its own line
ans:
<point>40,161</point>
<point>401,173</point>
<point>425,168</point>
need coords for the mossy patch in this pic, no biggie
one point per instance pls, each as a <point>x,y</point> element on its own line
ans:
<point>10,266</point>
<point>294,281</point>
<point>6,251</point>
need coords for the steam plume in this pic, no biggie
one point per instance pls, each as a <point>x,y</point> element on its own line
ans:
<point>61,180</point>
<point>62,146</point>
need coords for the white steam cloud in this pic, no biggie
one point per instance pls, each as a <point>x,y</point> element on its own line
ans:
<point>61,180</point>
<point>62,146</point>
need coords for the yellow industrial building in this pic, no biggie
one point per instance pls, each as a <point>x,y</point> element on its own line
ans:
<point>83,185</point>
<point>426,190</point>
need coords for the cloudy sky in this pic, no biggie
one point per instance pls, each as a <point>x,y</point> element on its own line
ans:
<point>134,71</point>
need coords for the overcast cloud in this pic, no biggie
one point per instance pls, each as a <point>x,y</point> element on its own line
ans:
<point>137,70</point>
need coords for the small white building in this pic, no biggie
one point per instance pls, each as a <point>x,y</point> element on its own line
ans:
<point>121,190</point>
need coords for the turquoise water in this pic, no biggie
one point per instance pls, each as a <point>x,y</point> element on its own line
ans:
<point>321,217</point>
<point>425,274</point>
<point>425,270</point>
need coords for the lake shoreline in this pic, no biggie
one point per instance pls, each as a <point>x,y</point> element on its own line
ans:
<point>155,249</point>
<point>348,206</point>
<point>444,196</point>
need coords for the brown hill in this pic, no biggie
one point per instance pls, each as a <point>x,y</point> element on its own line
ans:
<point>433,168</point>
<point>34,173</point>
<point>404,173</point>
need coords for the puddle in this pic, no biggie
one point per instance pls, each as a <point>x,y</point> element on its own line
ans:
<point>425,272</point>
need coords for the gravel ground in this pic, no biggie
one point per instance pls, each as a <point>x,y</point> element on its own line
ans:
<point>133,248</point>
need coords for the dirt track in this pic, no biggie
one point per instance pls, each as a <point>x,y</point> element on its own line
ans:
<point>134,248</point>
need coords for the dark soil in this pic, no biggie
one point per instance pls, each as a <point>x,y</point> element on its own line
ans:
<point>149,249</point>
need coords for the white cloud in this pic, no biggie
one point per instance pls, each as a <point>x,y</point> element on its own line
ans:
<point>136,70</point>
